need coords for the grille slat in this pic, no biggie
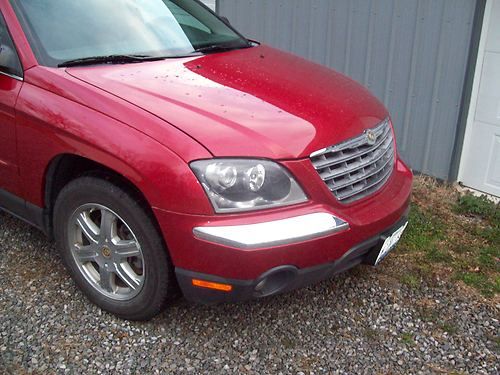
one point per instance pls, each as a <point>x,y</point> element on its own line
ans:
<point>378,183</point>
<point>331,160</point>
<point>363,177</point>
<point>358,167</point>
<point>363,165</point>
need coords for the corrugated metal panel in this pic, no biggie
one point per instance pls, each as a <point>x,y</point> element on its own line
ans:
<point>412,54</point>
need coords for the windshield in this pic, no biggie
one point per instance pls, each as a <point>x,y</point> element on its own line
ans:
<point>64,30</point>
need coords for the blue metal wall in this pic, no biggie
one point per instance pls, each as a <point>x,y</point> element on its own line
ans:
<point>412,54</point>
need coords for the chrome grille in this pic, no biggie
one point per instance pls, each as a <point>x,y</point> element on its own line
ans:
<point>358,167</point>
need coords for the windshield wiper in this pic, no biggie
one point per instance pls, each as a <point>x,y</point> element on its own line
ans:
<point>221,48</point>
<point>111,59</point>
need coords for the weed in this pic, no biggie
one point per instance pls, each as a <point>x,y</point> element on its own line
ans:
<point>407,338</point>
<point>488,233</point>
<point>451,238</point>
<point>471,205</point>
<point>489,258</point>
<point>410,280</point>
<point>288,343</point>
<point>424,229</point>
<point>448,327</point>
<point>424,270</point>
<point>481,282</point>
<point>428,314</point>
<point>434,255</point>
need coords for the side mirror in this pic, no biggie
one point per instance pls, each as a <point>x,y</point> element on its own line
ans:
<point>225,19</point>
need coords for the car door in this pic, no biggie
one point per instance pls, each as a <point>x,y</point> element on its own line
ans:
<point>11,80</point>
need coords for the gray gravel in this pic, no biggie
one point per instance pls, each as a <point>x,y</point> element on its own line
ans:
<point>359,322</point>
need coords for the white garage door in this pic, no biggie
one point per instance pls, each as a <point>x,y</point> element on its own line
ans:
<point>480,166</point>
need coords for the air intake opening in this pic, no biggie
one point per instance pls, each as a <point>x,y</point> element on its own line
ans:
<point>275,281</point>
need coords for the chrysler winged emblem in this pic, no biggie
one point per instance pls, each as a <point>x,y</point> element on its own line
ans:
<point>371,137</point>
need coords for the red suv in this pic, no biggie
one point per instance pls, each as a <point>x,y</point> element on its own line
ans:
<point>162,149</point>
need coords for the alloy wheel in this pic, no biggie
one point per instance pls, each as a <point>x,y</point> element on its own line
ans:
<point>106,252</point>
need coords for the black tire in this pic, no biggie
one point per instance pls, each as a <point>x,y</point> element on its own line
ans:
<point>152,298</point>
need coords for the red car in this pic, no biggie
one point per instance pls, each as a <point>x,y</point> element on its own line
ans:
<point>162,149</point>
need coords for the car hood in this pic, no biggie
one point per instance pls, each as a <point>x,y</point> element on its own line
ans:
<point>255,102</point>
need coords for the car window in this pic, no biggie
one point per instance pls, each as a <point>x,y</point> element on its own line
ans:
<point>60,31</point>
<point>185,19</point>
<point>9,60</point>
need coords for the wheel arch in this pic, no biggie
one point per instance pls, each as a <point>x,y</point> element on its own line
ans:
<point>65,168</point>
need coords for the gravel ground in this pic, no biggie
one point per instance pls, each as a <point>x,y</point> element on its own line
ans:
<point>359,322</point>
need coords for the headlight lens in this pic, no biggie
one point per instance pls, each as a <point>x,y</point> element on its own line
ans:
<point>235,185</point>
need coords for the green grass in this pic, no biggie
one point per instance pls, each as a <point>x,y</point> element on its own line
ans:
<point>489,258</point>
<point>480,270</point>
<point>484,260</point>
<point>478,206</point>
<point>424,234</point>
<point>424,230</point>
<point>481,282</point>
<point>407,338</point>
<point>411,280</point>
<point>448,327</point>
<point>432,315</point>
<point>435,255</point>
<point>488,232</point>
<point>484,209</point>
<point>470,249</point>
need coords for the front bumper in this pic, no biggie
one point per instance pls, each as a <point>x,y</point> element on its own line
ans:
<point>282,278</point>
<point>245,261</point>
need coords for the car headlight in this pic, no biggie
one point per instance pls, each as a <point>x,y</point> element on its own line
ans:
<point>243,185</point>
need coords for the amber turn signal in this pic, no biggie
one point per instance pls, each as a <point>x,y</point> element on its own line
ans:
<point>211,285</point>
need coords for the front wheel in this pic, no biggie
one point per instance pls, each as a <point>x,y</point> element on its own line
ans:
<point>112,248</point>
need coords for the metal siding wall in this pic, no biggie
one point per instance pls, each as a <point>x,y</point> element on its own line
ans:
<point>209,3</point>
<point>412,54</point>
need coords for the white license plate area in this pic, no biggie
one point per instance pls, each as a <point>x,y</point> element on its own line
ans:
<point>390,243</point>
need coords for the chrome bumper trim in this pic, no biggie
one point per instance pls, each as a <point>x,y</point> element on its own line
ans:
<point>273,233</point>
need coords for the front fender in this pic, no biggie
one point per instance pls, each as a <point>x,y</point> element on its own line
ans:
<point>50,125</point>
